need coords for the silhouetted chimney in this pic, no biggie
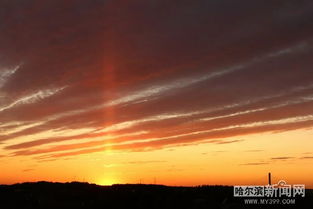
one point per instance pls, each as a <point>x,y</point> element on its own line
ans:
<point>269,179</point>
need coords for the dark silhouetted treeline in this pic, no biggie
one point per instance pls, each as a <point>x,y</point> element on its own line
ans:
<point>77,195</point>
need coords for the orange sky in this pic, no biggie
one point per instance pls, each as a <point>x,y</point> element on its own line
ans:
<point>286,155</point>
<point>177,93</point>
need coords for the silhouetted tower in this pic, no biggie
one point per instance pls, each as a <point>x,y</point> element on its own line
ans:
<point>269,179</point>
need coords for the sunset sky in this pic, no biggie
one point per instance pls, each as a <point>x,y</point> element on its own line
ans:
<point>156,91</point>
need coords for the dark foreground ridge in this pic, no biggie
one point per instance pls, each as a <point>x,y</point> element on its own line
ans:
<point>78,195</point>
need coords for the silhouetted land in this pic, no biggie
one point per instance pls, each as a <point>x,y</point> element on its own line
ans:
<point>77,195</point>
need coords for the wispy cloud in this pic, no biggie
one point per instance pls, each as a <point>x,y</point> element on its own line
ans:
<point>307,157</point>
<point>277,159</point>
<point>185,80</point>
<point>281,158</point>
<point>28,170</point>
<point>5,74</point>
<point>32,98</point>
<point>255,163</point>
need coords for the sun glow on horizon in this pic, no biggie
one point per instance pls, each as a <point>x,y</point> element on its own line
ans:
<point>107,181</point>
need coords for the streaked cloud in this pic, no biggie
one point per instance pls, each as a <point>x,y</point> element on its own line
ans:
<point>307,157</point>
<point>32,98</point>
<point>281,158</point>
<point>94,79</point>
<point>5,74</point>
<point>256,163</point>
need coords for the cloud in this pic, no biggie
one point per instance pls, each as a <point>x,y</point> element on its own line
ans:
<point>281,158</point>
<point>133,76</point>
<point>275,159</point>
<point>28,170</point>
<point>32,98</point>
<point>256,163</point>
<point>5,74</point>
<point>307,157</point>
